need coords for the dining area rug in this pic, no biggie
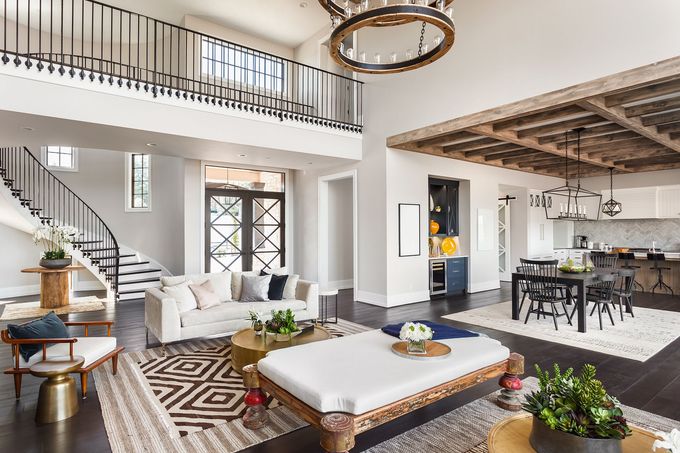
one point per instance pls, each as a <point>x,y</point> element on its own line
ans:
<point>25,310</point>
<point>637,338</point>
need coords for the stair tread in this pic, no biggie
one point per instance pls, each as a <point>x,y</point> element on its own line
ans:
<point>110,257</point>
<point>143,280</point>
<point>126,264</point>
<point>101,249</point>
<point>86,242</point>
<point>143,271</point>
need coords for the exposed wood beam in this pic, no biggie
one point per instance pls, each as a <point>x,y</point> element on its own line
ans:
<point>657,167</point>
<point>530,142</point>
<point>560,126</point>
<point>653,107</point>
<point>645,161</point>
<point>541,162</point>
<point>661,118</point>
<point>674,135</point>
<point>666,128</point>
<point>502,147</point>
<point>618,155</point>
<point>590,132</point>
<point>617,114</point>
<point>636,143</point>
<point>471,145</point>
<point>521,153</point>
<point>539,117</point>
<point>640,94</point>
<point>599,139</point>
<point>447,139</point>
<point>524,158</point>
<point>660,72</point>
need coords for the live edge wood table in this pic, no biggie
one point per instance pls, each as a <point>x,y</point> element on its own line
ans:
<point>53,285</point>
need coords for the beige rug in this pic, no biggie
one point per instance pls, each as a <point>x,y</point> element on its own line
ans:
<point>636,338</point>
<point>24,310</point>
<point>465,430</point>
<point>188,401</point>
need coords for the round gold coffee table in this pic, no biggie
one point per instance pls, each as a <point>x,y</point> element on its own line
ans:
<point>57,399</point>
<point>512,435</point>
<point>247,348</point>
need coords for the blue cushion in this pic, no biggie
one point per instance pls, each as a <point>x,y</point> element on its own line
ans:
<point>440,331</point>
<point>49,326</point>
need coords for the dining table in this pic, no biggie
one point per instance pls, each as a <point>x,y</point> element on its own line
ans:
<point>580,281</point>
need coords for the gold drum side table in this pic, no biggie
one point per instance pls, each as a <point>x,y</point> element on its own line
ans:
<point>58,398</point>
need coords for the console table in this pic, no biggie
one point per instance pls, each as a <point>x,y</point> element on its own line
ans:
<point>53,285</point>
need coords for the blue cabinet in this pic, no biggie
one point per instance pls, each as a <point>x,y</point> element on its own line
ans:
<point>456,275</point>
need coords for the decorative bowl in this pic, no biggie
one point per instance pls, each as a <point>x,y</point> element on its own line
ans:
<point>56,264</point>
<point>283,336</point>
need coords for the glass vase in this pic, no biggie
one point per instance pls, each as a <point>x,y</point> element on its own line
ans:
<point>416,347</point>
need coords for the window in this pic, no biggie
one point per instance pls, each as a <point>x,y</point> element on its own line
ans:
<point>138,182</point>
<point>63,158</point>
<point>243,66</point>
<point>238,178</point>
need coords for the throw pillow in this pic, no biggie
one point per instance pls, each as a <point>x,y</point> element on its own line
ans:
<point>183,296</point>
<point>255,288</point>
<point>205,295</point>
<point>276,271</point>
<point>49,326</point>
<point>236,283</point>
<point>276,286</point>
<point>170,280</point>
<point>221,282</point>
<point>290,290</point>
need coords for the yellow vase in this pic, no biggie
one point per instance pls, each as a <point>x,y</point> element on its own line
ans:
<point>449,246</point>
<point>434,227</point>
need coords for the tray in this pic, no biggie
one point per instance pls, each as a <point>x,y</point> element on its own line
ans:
<point>435,351</point>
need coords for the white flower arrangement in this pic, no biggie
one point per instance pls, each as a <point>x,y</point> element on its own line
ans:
<point>415,332</point>
<point>671,441</point>
<point>56,240</point>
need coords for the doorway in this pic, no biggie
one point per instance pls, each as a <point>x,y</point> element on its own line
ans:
<point>337,258</point>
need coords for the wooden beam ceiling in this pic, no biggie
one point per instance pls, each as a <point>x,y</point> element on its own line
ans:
<point>630,121</point>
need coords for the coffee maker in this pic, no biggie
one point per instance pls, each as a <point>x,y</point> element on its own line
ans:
<point>580,242</point>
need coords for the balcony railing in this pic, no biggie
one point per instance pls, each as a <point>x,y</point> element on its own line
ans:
<point>103,44</point>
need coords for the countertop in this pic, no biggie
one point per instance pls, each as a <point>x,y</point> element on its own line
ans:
<point>444,257</point>
<point>670,256</point>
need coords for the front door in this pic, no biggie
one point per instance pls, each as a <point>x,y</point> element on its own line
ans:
<point>244,230</point>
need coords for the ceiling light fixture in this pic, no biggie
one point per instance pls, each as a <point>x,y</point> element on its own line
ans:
<point>611,207</point>
<point>242,155</point>
<point>304,4</point>
<point>572,202</point>
<point>27,128</point>
<point>152,145</point>
<point>350,16</point>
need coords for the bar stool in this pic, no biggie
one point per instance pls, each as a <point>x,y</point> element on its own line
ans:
<point>655,258</point>
<point>626,257</point>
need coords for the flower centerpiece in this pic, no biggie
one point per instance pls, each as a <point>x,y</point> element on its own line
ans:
<point>415,334</point>
<point>255,317</point>
<point>282,325</point>
<point>669,441</point>
<point>56,242</point>
<point>574,414</point>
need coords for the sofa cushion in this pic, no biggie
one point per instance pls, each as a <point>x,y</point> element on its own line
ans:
<point>255,288</point>
<point>237,283</point>
<point>276,286</point>
<point>183,296</point>
<point>49,326</point>
<point>90,348</point>
<point>205,295</point>
<point>228,311</point>
<point>221,282</point>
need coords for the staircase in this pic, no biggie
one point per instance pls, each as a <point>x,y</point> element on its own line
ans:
<point>45,199</point>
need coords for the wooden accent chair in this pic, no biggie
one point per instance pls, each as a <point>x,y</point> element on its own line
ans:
<point>95,352</point>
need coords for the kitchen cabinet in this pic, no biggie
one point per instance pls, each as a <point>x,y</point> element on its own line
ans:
<point>668,202</point>
<point>456,275</point>
<point>637,203</point>
<point>444,194</point>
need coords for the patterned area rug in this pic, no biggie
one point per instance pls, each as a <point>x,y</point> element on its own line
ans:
<point>32,309</point>
<point>636,338</point>
<point>465,430</point>
<point>191,400</point>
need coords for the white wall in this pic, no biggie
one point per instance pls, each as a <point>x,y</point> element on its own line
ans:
<point>19,252</point>
<point>340,232</point>
<point>632,181</point>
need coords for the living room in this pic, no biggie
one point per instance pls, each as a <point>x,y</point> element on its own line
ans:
<point>203,168</point>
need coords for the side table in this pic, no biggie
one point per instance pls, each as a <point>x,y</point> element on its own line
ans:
<point>57,399</point>
<point>324,295</point>
<point>53,285</point>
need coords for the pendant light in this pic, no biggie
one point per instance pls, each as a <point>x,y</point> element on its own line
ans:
<point>611,207</point>
<point>572,202</point>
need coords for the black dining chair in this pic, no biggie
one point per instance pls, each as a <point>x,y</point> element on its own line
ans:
<point>657,258</point>
<point>601,262</point>
<point>603,297</point>
<point>541,280</point>
<point>523,287</point>
<point>627,257</point>
<point>625,291</point>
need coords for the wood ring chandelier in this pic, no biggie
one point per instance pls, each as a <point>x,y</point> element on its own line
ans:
<point>350,16</point>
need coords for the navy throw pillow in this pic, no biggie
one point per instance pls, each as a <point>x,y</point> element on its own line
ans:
<point>49,326</point>
<point>441,331</point>
<point>276,285</point>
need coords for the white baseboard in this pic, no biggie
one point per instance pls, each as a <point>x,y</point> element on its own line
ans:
<point>340,284</point>
<point>408,298</point>
<point>88,285</point>
<point>484,286</point>
<point>19,291</point>
<point>371,298</point>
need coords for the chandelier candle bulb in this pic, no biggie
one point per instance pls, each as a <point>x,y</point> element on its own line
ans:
<point>393,57</point>
<point>376,58</point>
<point>362,56</point>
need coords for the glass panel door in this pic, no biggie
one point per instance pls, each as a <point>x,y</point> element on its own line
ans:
<point>267,238</point>
<point>224,240</point>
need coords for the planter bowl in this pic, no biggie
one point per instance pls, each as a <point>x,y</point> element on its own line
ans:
<point>283,336</point>
<point>55,264</point>
<point>546,440</point>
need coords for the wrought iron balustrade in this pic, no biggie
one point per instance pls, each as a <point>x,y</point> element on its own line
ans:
<point>103,44</point>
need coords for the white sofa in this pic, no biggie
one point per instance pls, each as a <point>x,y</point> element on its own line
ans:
<point>163,319</point>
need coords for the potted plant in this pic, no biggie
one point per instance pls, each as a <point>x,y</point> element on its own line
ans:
<point>255,317</point>
<point>574,414</point>
<point>415,334</point>
<point>282,326</point>
<point>56,241</point>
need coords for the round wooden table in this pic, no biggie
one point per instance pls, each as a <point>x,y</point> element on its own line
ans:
<point>57,399</point>
<point>247,348</point>
<point>512,435</point>
<point>53,285</point>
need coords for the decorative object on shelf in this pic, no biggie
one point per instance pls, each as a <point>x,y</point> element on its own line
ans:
<point>431,203</point>
<point>437,209</point>
<point>255,317</point>
<point>351,16</point>
<point>611,207</point>
<point>574,414</point>
<point>409,229</point>
<point>449,246</point>
<point>434,227</point>
<point>282,326</point>
<point>434,350</point>
<point>669,441</point>
<point>56,241</point>
<point>415,335</point>
<point>573,200</point>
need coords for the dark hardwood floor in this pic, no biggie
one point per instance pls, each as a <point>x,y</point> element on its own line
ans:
<point>652,385</point>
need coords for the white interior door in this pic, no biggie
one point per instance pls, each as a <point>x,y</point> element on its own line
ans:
<point>504,241</point>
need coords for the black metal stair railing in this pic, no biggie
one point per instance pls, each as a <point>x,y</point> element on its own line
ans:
<point>99,43</point>
<point>51,201</point>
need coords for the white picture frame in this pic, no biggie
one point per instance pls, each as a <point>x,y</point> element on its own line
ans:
<point>485,229</point>
<point>409,229</point>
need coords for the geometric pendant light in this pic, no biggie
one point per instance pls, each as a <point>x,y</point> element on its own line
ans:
<point>611,207</point>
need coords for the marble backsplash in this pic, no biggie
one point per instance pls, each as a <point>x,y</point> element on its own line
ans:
<point>638,233</point>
